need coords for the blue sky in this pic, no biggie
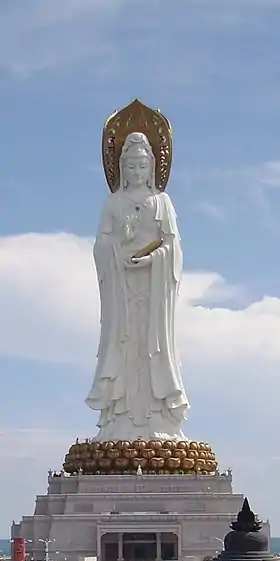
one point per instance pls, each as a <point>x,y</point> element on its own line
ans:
<point>212,67</point>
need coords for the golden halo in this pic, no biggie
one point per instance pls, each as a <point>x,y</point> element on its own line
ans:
<point>136,117</point>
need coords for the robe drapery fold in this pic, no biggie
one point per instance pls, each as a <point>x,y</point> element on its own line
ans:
<point>138,349</point>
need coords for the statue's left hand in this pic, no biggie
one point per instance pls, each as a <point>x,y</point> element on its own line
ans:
<point>136,262</point>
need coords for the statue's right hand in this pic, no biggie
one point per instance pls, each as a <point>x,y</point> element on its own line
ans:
<point>129,264</point>
<point>137,263</point>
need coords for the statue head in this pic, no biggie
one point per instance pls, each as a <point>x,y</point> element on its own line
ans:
<point>137,163</point>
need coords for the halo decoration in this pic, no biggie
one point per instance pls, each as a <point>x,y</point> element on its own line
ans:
<point>137,117</point>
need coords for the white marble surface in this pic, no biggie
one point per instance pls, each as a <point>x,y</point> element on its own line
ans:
<point>78,510</point>
<point>138,387</point>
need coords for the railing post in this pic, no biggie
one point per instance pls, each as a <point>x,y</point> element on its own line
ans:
<point>120,546</point>
<point>158,557</point>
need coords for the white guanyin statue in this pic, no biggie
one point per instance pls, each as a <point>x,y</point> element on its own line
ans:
<point>138,387</point>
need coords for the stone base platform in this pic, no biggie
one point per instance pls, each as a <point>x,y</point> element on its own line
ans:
<point>126,517</point>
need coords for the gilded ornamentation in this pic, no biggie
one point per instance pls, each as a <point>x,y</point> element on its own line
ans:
<point>140,118</point>
<point>153,456</point>
<point>173,463</point>
<point>107,445</point>
<point>182,445</point>
<point>105,463</point>
<point>170,444</point>
<point>142,462</point>
<point>200,464</point>
<point>148,453</point>
<point>179,453</point>
<point>157,463</point>
<point>121,463</point>
<point>187,464</point>
<point>130,453</point>
<point>193,454</point>
<point>122,444</point>
<point>114,453</point>
<point>139,444</point>
<point>154,444</point>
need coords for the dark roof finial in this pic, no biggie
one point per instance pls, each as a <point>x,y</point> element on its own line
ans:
<point>246,542</point>
<point>246,521</point>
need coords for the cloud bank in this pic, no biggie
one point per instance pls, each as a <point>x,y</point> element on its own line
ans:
<point>48,285</point>
<point>230,352</point>
<point>40,36</point>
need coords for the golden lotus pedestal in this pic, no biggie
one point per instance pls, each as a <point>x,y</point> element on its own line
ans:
<point>153,457</point>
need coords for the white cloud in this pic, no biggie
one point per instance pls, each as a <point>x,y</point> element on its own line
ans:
<point>27,454</point>
<point>29,444</point>
<point>210,210</point>
<point>48,285</point>
<point>38,35</point>
<point>266,173</point>
<point>49,295</point>
<point>231,358</point>
<point>53,12</point>
<point>43,35</point>
<point>239,3</point>
<point>269,174</point>
<point>233,192</point>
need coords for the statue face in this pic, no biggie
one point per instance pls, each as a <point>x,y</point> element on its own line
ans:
<point>137,170</point>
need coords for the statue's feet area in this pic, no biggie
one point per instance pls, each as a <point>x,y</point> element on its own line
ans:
<point>153,457</point>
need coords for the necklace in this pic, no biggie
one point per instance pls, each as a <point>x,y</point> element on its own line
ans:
<point>137,202</point>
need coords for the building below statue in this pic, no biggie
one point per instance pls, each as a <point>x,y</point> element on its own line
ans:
<point>130,517</point>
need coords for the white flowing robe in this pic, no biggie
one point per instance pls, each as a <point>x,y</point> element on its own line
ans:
<point>137,385</point>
